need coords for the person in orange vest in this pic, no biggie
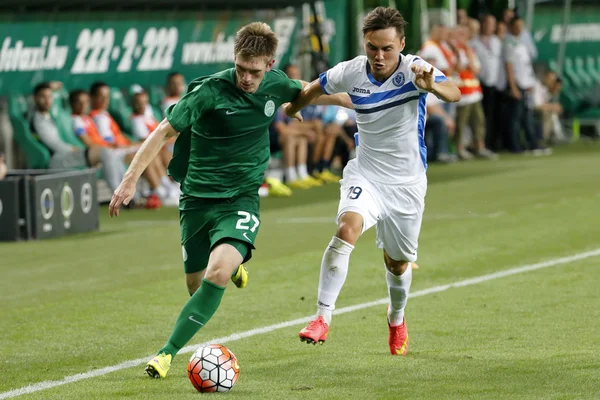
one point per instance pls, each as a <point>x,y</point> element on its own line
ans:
<point>143,122</point>
<point>469,111</point>
<point>110,131</point>
<point>437,49</point>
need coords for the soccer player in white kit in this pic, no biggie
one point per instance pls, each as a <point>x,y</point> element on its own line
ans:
<point>385,184</point>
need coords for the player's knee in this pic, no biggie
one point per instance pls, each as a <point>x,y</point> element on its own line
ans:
<point>396,267</point>
<point>219,272</point>
<point>349,229</point>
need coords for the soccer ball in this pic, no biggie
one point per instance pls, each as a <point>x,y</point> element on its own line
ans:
<point>213,368</point>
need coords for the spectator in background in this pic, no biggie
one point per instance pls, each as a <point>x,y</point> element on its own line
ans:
<point>2,166</point>
<point>469,110</point>
<point>293,137</point>
<point>474,29</point>
<point>520,82</point>
<point>174,89</point>
<point>489,52</point>
<point>437,49</point>
<point>64,155</point>
<point>547,108</point>
<point>462,18</point>
<point>143,123</point>
<point>501,30</point>
<point>340,127</point>
<point>155,174</point>
<point>322,147</point>
<point>85,129</point>
<point>439,128</point>
<point>524,36</point>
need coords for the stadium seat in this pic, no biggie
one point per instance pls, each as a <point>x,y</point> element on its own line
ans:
<point>580,70</point>
<point>591,69</point>
<point>155,95</point>
<point>36,154</point>
<point>569,71</point>
<point>120,110</point>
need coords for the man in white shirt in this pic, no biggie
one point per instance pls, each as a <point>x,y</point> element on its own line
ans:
<point>385,184</point>
<point>520,82</point>
<point>65,155</point>
<point>488,48</point>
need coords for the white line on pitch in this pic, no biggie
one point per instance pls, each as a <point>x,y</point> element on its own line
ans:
<point>36,387</point>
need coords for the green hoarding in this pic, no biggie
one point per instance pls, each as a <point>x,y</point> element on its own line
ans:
<point>126,49</point>
<point>582,36</point>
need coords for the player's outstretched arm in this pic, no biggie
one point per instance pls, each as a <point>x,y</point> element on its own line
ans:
<point>308,94</point>
<point>338,99</point>
<point>150,148</point>
<point>424,79</point>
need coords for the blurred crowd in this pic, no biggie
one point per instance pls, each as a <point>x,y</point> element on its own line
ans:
<point>505,105</point>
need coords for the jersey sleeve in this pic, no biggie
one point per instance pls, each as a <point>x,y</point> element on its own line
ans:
<point>333,80</point>
<point>288,89</point>
<point>438,75</point>
<point>200,98</point>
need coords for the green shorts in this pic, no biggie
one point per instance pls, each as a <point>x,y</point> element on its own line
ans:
<point>207,222</point>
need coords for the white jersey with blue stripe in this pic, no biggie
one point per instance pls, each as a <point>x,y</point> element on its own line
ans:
<point>390,117</point>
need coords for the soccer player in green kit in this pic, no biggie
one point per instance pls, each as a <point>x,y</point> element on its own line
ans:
<point>220,157</point>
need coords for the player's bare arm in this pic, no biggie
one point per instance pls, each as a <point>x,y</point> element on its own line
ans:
<point>149,150</point>
<point>424,79</point>
<point>309,94</point>
<point>336,99</point>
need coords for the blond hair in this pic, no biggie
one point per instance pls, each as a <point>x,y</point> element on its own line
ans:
<point>255,40</point>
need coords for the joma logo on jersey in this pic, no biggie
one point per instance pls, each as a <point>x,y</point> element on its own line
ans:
<point>360,90</point>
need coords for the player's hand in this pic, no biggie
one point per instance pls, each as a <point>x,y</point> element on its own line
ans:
<point>516,93</point>
<point>423,78</point>
<point>122,195</point>
<point>287,109</point>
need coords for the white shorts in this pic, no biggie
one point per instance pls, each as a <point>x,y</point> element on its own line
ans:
<point>396,210</point>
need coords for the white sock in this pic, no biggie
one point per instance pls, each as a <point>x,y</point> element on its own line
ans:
<point>302,171</point>
<point>162,192</point>
<point>334,268</point>
<point>165,181</point>
<point>290,174</point>
<point>398,288</point>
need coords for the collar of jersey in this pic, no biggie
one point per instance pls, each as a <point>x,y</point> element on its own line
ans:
<point>375,81</point>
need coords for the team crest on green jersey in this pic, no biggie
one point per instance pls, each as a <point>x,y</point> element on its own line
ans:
<point>269,108</point>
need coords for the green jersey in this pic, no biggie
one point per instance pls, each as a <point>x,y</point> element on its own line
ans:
<point>223,147</point>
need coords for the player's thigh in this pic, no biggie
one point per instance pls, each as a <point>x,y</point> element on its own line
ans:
<point>195,228</point>
<point>237,224</point>
<point>398,233</point>
<point>359,196</point>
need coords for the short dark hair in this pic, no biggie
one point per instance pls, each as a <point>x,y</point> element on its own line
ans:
<point>384,18</point>
<point>40,86</point>
<point>96,86</point>
<point>74,95</point>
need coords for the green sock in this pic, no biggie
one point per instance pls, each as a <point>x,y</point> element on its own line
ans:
<point>195,314</point>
